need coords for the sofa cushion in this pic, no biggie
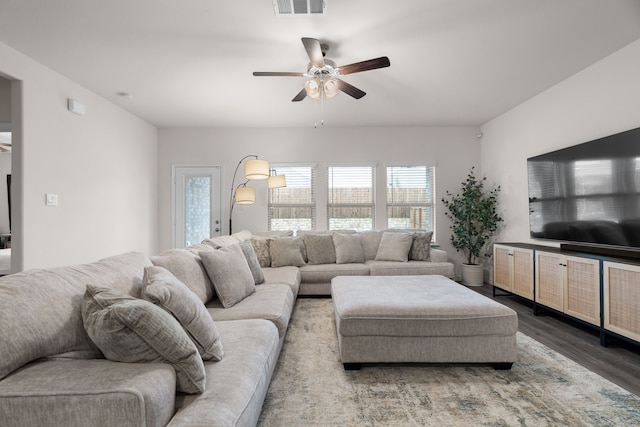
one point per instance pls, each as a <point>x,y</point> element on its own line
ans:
<point>242,236</point>
<point>394,247</point>
<point>273,234</point>
<point>421,246</point>
<point>289,276</point>
<point>221,241</point>
<point>416,268</point>
<point>348,248</point>
<point>252,261</point>
<point>320,249</point>
<point>370,240</point>
<point>261,247</point>
<point>228,269</point>
<point>56,295</point>
<point>128,329</point>
<point>237,385</point>
<point>323,273</point>
<point>188,268</point>
<point>97,392</point>
<point>286,251</point>
<point>162,288</point>
<point>269,302</point>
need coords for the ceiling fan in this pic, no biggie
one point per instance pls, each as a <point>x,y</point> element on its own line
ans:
<point>5,147</point>
<point>323,74</point>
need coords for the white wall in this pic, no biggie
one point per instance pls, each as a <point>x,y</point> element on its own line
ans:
<point>5,101</point>
<point>102,166</point>
<point>5,169</point>
<point>601,100</point>
<point>452,149</point>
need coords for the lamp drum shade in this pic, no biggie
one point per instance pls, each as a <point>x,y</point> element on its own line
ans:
<point>256,169</point>
<point>245,196</point>
<point>277,181</point>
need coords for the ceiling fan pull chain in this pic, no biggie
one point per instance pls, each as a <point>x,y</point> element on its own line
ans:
<point>322,105</point>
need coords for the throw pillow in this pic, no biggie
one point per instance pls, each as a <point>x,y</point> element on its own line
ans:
<point>261,247</point>
<point>252,261</point>
<point>320,249</point>
<point>421,246</point>
<point>132,330</point>
<point>286,251</point>
<point>188,268</point>
<point>162,288</point>
<point>370,242</point>
<point>348,248</point>
<point>230,274</point>
<point>394,247</point>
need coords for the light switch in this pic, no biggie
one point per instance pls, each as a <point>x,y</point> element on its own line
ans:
<point>52,199</point>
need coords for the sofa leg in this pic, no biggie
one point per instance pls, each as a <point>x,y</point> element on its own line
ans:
<point>502,366</point>
<point>352,366</point>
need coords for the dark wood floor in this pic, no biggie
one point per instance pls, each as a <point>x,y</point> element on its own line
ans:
<point>619,362</point>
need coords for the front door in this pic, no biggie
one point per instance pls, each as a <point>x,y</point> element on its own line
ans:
<point>197,205</point>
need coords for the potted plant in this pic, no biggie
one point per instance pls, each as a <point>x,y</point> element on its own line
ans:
<point>474,219</point>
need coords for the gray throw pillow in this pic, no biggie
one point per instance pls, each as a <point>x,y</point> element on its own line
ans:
<point>370,240</point>
<point>188,268</point>
<point>230,274</point>
<point>320,249</point>
<point>261,247</point>
<point>162,288</point>
<point>394,247</point>
<point>421,246</point>
<point>286,251</point>
<point>252,261</point>
<point>348,248</point>
<point>132,330</point>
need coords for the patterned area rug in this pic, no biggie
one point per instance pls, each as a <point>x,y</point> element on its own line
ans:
<point>310,387</point>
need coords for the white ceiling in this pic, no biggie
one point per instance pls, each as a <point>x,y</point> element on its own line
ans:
<point>188,63</point>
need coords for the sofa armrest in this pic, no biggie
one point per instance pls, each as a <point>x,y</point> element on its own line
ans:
<point>437,255</point>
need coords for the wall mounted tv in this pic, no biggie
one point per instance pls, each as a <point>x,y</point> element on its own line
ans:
<point>589,194</point>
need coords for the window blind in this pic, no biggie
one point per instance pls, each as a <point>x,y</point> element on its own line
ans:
<point>351,197</point>
<point>410,197</point>
<point>293,207</point>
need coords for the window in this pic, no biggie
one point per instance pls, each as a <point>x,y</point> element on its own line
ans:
<point>351,191</point>
<point>410,195</point>
<point>293,207</point>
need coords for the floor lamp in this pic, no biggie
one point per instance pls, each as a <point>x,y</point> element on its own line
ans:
<point>254,170</point>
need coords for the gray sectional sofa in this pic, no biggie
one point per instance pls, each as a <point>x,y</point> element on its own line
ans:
<point>325,255</point>
<point>64,329</point>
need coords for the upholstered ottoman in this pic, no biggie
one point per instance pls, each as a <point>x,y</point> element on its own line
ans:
<point>426,319</point>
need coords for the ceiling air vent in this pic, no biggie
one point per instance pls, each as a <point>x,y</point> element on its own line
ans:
<point>300,7</point>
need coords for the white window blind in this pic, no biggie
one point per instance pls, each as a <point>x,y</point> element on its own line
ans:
<point>410,197</point>
<point>351,197</point>
<point>293,207</point>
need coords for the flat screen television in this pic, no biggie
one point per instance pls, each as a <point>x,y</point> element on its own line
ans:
<point>588,194</point>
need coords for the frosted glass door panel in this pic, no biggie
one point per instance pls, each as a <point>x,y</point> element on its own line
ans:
<point>196,204</point>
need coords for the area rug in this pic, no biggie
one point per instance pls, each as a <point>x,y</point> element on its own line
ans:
<point>311,388</point>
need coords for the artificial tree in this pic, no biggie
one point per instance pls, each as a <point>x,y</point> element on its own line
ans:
<point>474,217</point>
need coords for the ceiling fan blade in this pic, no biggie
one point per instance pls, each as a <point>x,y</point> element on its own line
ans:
<point>300,96</point>
<point>276,74</point>
<point>5,144</point>
<point>371,64</point>
<point>314,51</point>
<point>350,89</point>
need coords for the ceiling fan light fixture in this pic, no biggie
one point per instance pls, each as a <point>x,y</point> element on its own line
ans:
<point>330,88</point>
<point>313,88</point>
